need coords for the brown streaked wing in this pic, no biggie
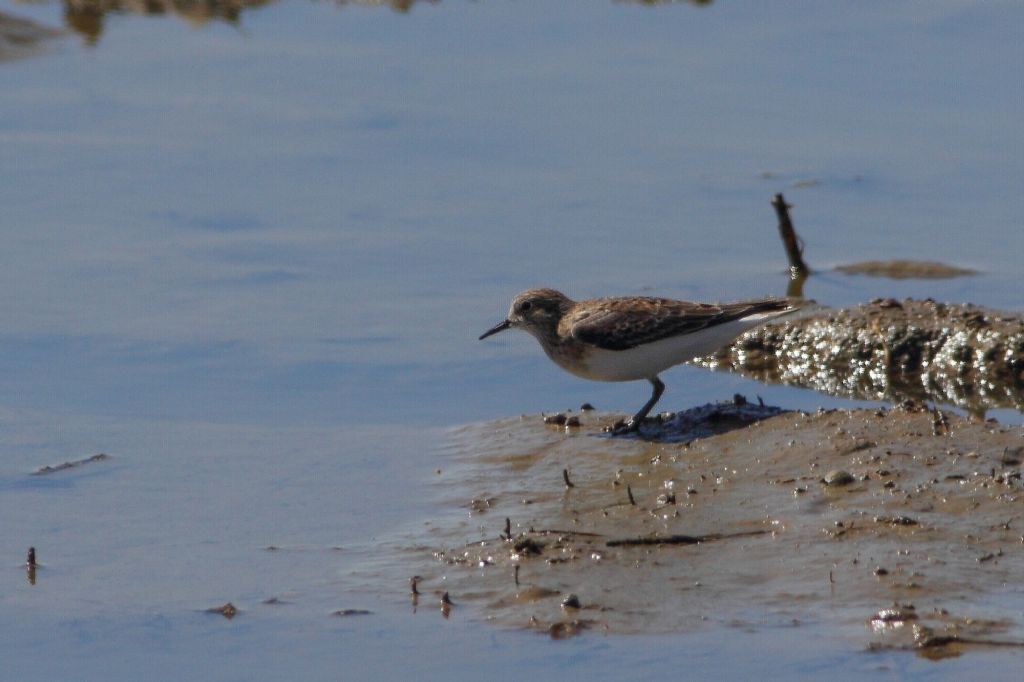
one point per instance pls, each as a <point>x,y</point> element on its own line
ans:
<point>624,323</point>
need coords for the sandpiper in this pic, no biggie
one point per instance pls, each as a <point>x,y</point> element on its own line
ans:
<point>631,337</point>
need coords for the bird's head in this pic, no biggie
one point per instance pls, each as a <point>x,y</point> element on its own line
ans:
<point>537,311</point>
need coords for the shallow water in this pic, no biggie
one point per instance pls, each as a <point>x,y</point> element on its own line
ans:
<point>250,258</point>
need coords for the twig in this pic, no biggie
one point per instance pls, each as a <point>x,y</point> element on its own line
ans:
<point>681,539</point>
<point>30,566</point>
<point>43,471</point>
<point>944,640</point>
<point>565,477</point>
<point>555,531</point>
<point>940,422</point>
<point>794,246</point>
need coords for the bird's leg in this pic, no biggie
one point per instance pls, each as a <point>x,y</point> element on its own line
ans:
<point>634,422</point>
<point>639,417</point>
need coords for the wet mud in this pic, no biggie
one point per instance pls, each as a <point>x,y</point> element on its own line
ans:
<point>906,269</point>
<point>955,354</point>
<point>904,525</point>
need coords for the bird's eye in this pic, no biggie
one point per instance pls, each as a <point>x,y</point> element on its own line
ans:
<point>525,306</point>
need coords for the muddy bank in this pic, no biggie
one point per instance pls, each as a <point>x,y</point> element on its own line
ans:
<point>797,519</point>
<point>905,269</point>
<point>957,354</point>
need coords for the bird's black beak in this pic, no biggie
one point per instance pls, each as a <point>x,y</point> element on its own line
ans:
<point>500,327</point>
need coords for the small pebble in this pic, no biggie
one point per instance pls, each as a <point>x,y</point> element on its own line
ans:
<point>566,630</point>
<point>228,610</point>
<point>837,478</point>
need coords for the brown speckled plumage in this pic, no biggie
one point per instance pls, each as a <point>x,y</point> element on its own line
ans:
<point>630,337</point>
<point>622,323</point>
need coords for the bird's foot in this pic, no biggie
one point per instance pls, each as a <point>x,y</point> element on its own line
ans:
<point>624,426</point>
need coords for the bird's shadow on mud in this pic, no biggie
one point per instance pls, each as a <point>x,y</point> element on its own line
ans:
<point>698,422</point>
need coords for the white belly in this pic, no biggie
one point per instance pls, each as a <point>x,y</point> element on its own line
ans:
<point>646,361</point>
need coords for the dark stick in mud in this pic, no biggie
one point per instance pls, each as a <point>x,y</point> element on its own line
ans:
<point>681,539</point>
<point>565,477</point>
<point>798,269</point>
<point>555,531</point>
<point>30,566</point>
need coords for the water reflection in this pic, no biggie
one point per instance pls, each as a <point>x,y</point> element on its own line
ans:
<point>668,2</point>
<point>21,38</point>
<point>86,16</point>
<point>402,6</point>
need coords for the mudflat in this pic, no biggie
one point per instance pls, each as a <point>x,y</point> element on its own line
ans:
<point>903,525</point>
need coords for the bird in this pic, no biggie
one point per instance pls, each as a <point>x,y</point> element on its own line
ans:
<point>629,338</point>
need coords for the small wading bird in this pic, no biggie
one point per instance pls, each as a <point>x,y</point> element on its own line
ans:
<point>631,337</point>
